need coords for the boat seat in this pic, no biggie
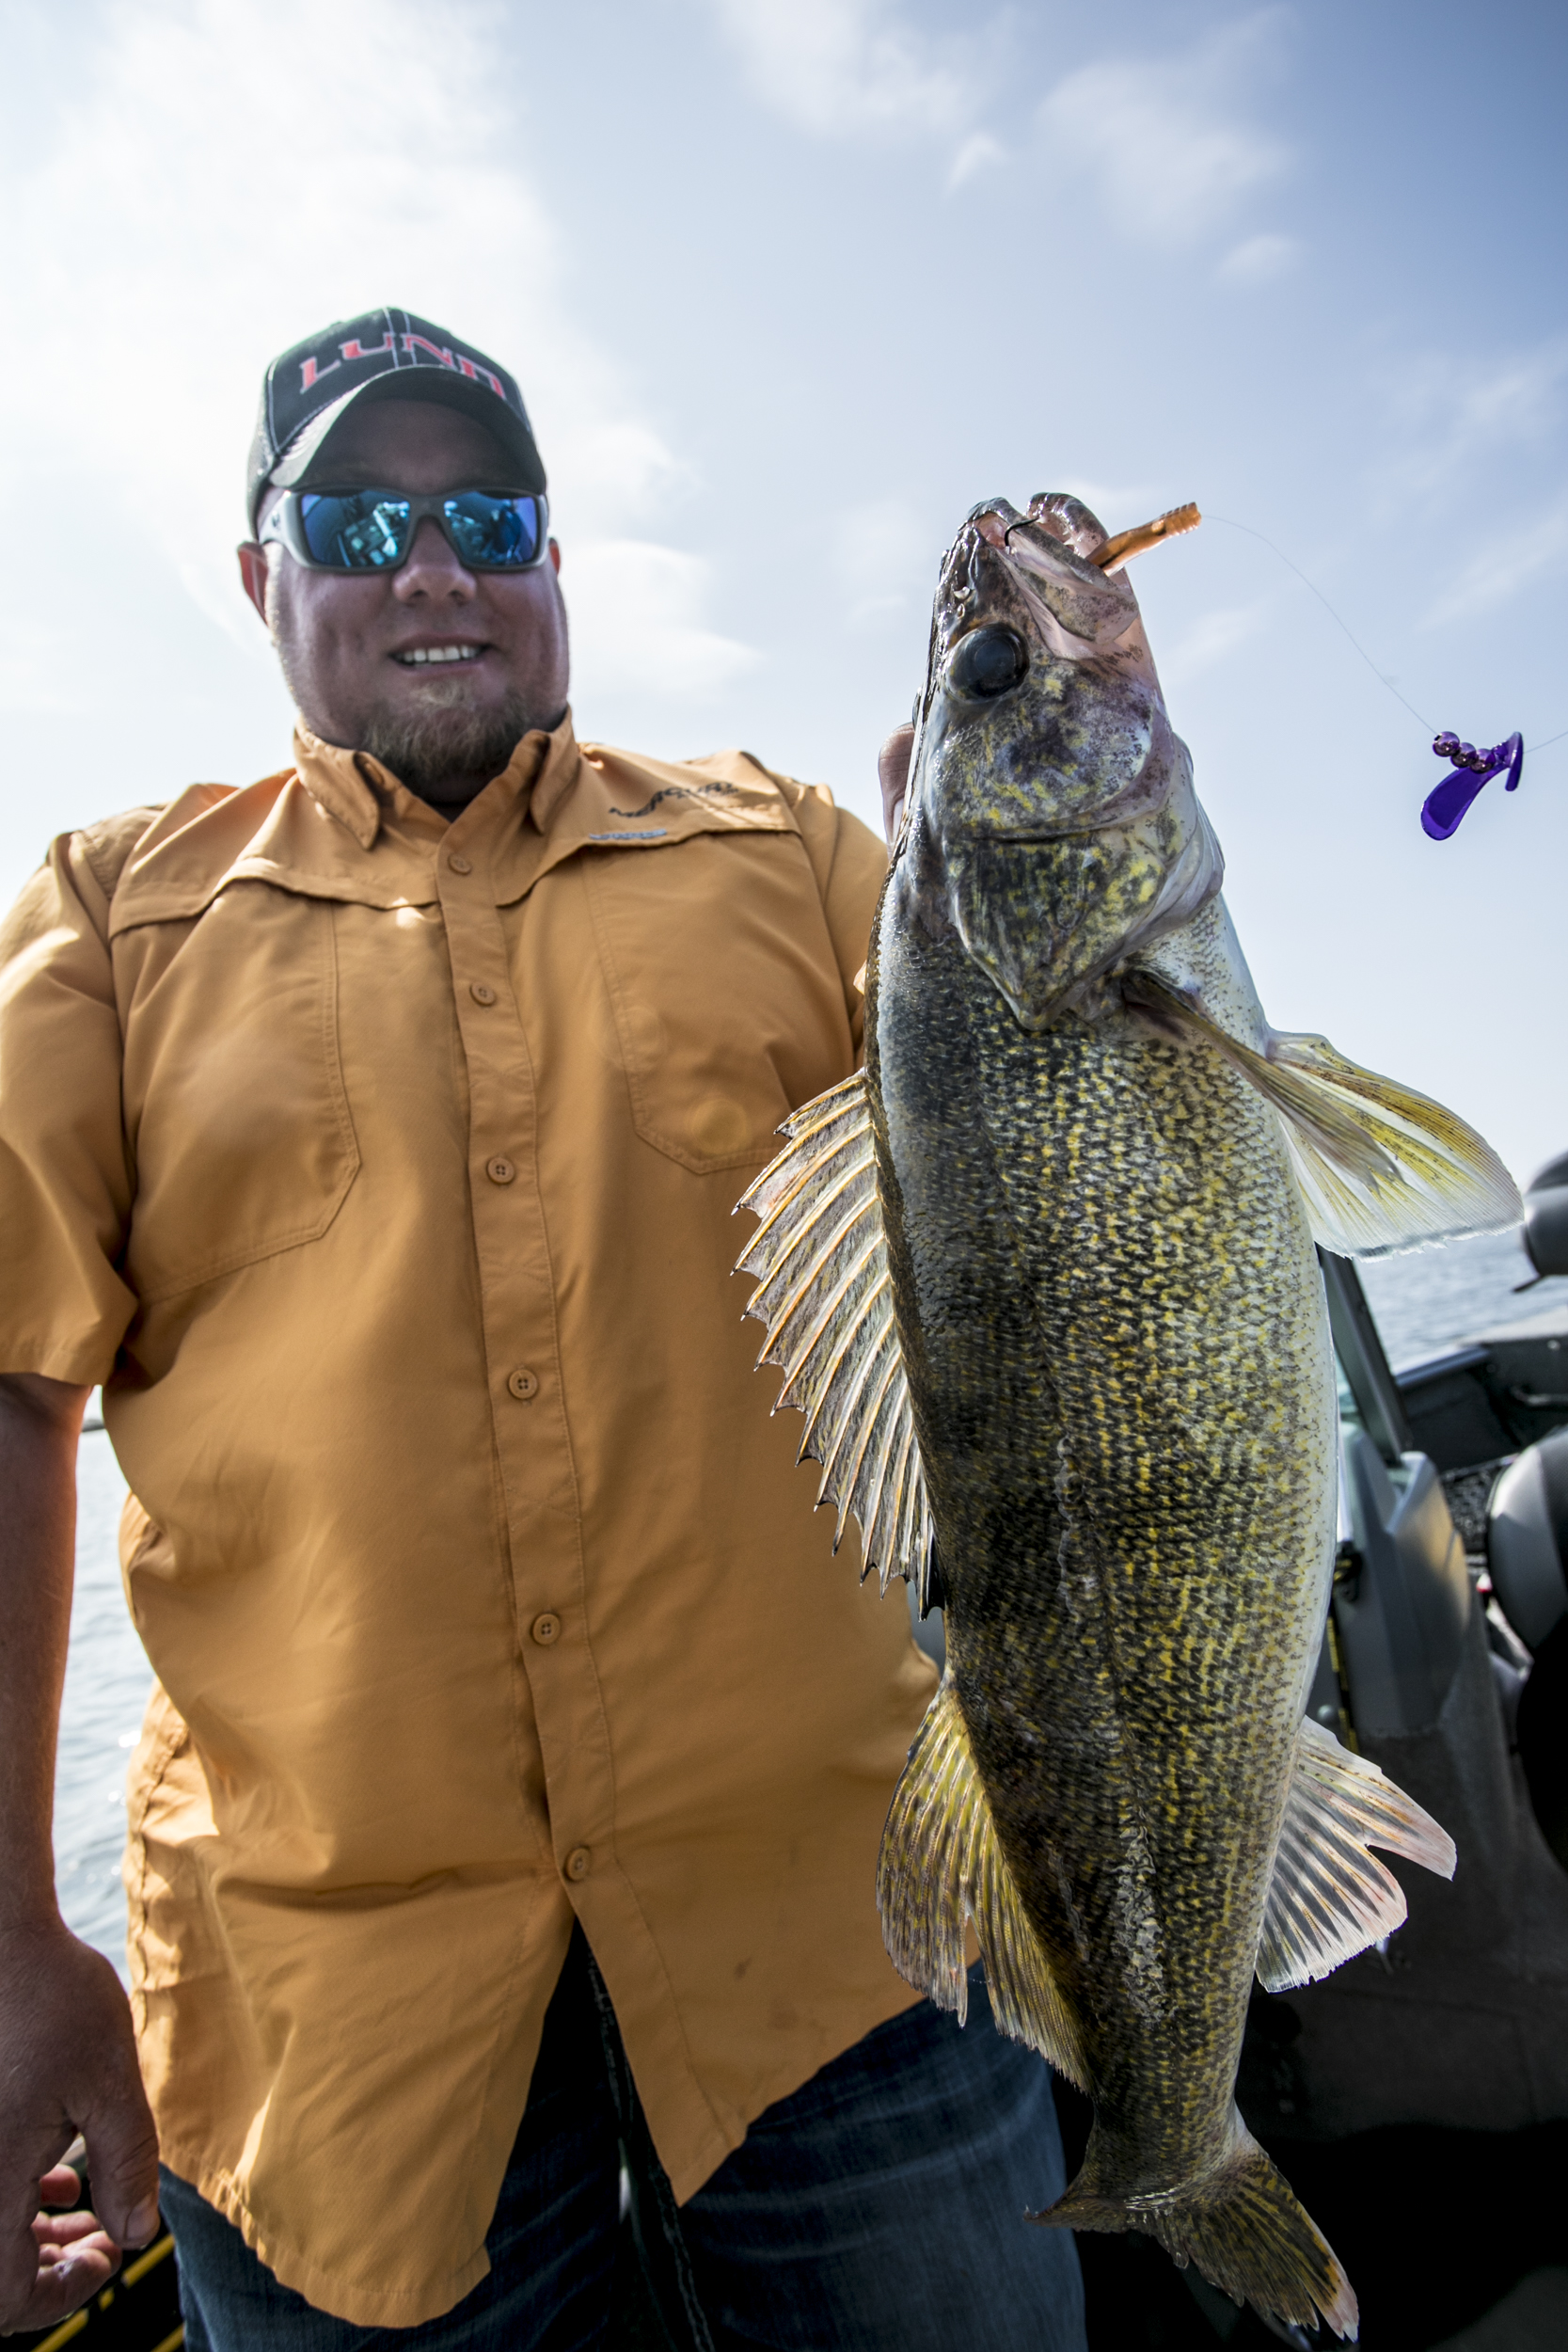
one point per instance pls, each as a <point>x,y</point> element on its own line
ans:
<point>1527,1543</point>
<point>1526,1539</point>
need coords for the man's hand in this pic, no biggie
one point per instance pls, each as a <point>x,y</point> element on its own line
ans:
<point>892,772</point>
<point>68,2059</point>
<point>68,2064</point>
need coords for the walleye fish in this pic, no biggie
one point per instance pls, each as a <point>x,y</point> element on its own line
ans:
<point>1042,1279</point>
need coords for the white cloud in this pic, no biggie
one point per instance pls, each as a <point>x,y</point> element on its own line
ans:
<point>886,561</point>
<point>1448,415</point>
<point>1210,639</point>
<point>1119,506</point>
<point>1169,142</point>
<point>618,468</point>
<point>36,670</point>
<point>637,624</point>
<point>1256,260</point>
<point>844,68</point>
<point>187,222</point>
<point>977,153</point>
<point>1514,561</point>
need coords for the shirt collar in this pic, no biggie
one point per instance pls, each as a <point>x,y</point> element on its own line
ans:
<point>368,799</point>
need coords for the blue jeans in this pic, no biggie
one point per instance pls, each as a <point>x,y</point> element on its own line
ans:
<point>880,2209</point>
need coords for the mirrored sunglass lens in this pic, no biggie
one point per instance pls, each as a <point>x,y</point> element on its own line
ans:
<point>355,533</point>
<point>500,534</point>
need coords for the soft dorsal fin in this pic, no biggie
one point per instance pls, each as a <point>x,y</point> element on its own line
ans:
<point>940,1867</point>
<point>1381,1168</point>
<point>827,1301</point>
<point>1329,1899</point>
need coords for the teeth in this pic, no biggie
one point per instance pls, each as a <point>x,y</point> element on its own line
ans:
<point>438,653</point>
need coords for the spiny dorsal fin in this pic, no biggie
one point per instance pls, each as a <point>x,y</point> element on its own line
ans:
<point>943,1865</point>
<point>827,1302</point>
<point>1329,1897</point>
<point>1382,1167</point>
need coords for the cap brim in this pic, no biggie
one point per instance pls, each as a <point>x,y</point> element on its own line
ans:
<point>524,469</point>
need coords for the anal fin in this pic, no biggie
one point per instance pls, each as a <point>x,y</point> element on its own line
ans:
<point>1329,1897</point>
<point>940,1867</point>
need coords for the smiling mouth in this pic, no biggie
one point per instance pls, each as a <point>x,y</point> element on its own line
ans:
<point>428,656</point>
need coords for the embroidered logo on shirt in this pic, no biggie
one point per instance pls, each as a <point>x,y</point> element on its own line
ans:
<point>671,792</point>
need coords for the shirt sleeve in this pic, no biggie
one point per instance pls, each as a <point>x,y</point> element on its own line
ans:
<point>65,1179</point>
<point>850,865</point>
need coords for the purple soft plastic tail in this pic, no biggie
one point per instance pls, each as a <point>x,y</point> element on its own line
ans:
<point>1444,807</point>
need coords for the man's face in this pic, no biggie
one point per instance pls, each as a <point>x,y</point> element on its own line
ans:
<point>349,642</point>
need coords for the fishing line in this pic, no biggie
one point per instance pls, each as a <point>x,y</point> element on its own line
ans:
<point>1444,806</point>
<point>1382,679</point>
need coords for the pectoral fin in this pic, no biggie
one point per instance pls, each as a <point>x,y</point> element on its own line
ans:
<point>1329,1897</point>
<point>1381,1168</point>
<point>827,1301</point>
<point>940,1867</point>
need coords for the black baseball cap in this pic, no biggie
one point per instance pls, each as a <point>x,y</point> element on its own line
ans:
<point>380,354</point>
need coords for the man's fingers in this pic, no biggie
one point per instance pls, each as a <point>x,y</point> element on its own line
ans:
<point>53,2230</point>
<point>893,773</point>
<point>24,2226</point>
<point>60,2187</point>
<point>67,2062</point>
<point>62,2287</point>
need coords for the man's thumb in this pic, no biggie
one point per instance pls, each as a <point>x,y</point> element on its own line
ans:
<point>122,2161</point>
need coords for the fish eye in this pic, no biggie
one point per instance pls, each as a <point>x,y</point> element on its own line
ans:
<point>987,662</point>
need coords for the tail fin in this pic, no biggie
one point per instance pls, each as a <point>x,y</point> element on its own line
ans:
<point>1240,2224</point>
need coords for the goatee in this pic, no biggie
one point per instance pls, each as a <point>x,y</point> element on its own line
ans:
<point>450,752</point>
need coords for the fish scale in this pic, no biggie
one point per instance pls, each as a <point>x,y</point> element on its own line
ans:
<point>1077,1329</point>
<point>1112,1150</point>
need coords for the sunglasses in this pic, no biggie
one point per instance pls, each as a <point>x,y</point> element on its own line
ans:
<point>373,531</point>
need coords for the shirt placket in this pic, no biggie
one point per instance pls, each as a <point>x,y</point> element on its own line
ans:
<point>523,1362</point>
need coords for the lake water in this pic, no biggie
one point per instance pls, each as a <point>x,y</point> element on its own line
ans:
<point>1423,1303</point>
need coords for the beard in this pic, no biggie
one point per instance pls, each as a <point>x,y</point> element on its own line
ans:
<point>448,751</point>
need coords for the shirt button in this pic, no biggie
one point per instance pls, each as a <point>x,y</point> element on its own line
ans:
<point>545,1629</point>
<point>579,1862</point>
<point>481,994</point>
<point>523,1384</point>
<point>499,1171</point>
<point>461,865</point>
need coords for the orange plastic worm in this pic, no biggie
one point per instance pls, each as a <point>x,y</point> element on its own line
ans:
<point>1126,543</point>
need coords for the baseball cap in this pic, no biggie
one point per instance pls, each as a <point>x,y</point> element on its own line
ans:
<point>383,355</point>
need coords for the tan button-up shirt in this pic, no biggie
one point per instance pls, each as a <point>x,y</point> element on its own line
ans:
<point>384,1172</point>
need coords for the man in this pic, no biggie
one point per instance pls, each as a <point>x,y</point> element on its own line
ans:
<point>372,1135</point>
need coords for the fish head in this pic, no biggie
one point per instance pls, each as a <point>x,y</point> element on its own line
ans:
<point>1051,817</point>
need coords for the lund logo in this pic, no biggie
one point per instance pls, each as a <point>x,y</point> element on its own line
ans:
<point>312,371</point>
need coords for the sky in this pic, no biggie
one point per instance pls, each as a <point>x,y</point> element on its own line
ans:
<point>791,284</point>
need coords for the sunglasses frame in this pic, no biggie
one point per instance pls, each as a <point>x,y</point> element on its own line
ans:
<point>285,525</point>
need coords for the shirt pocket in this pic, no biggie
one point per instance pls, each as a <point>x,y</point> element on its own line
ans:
<point>726,1010</point>
<point>236,1114</point>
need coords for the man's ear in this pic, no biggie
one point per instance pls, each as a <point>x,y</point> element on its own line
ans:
<point>555,556</point>
<point>253,572</point>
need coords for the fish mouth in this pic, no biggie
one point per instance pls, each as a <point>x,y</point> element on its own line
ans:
<point>1055,517</point>
<point>1035,569</point>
